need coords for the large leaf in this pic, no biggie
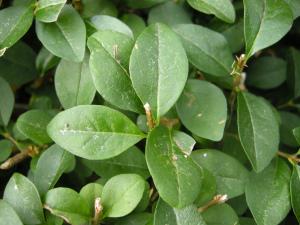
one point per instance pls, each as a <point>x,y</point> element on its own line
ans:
<point>295,191</point>
<point>175,175</point>
<point>262,18</point>
<point>202,109</point>
<point>94,132</point>
<point>47,11</point>
<point>206,49</point>
<point>231,176</point>
<point>267,193</point>
<point>258,130</point>
<point>7,102</point>
<point>64,38</point>
<point>223,9</point>
<point>15,21</point>
<point>69,205</point>
<point>165,214</point>
<point>8,215</point>
<point>24,198</point>
<point>158,68</point>
<point>109,59</point>
<point>121,194</point>
<point>50,166</point>
<point>74,84</point>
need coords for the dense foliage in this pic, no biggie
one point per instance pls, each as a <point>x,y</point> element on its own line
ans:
<point>149,112</point>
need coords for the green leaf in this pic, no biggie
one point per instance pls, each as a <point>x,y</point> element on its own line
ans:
<point>295,7</point>
<point>130,161</point>
<point>165,214</point>
<point>121,194</point>
<point>101,7</point>
<point>66,37</point>
<point>47,11</point>
<point>185,142</point>
<point>8,215</point>
<point>247,221</point>
<point>289,121</point>
<point>15,21</point>
<point>267,193</point>
<point>267,72</point>
<point>143,3</point>
<point>45,61</point>
<point>222,9</point>
<point>262,18</point>
<point>293,71</point>
<point>110,53</point>
<point>90,192</point>
<point>136,219</point>
<point>7,102</point>
<point>135,23</point>
<point>167,162</point>
<point>170,13</point>
<point>94,132</point>
<point>103,22</point>
<point>51,165</point>
<point>69,205</point>
<point>231,176</point>
<point>258,130</point>
<point>24,198</point>
<point>221,214</point>
<point>33,124</point>
<point>296,133</point>
<point>202,109</point>
<point>6,148</point>
<point>206,49</point>
<point>74,84</point>
<point>295,191</point>
<point>158,68</point>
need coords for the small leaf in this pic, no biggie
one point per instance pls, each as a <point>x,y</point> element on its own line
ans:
<point>121,194</point>
<point>202,109</point>
<point>33,125</point>
<point>94,132</point>
<point>158,68</point>
<point>206,49</point>
<point>289,121</point>
<point>51,165</point>
<point>293,71</point>
<point>74,84</point>
<point>295,191</point>
<point>263,17</point>
<point>8,215</point>
<point>90,192</point>
<point>24,198</point>
<point>69,205</point>
<point>220,215</point>
<point>267,193</point>
<point>167,162</point>
<point>223,9</point>
<point>47,11</point>
<point>64,38</point>
<point>258,130</point>
<point>7,102</point>
<point>15,21</point>
<point>165,214</point>
<point>231,176</point>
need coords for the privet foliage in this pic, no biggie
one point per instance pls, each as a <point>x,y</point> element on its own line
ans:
<point>149,112</point>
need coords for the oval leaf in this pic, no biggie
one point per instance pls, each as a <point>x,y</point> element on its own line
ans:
<point>7,102</point>
<point>94,132</point>
<point>8,215</point>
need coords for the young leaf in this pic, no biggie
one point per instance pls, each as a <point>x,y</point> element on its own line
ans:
<point>202,109</point>
<point>220,215</point>
<point>64,38</point>
<point>69,205</point>
<point>121,194</point>
<point>94,132</point>
<point>90,192</point>
<point>175,175</point>
<point>295,191</point>
<point>206,49</point>
<point>262,18</point>
<point>15,21</point>
<point>47,11</point>
<point>50,166</point>
<point>33,124</point>
<point>74,84</point>
<point>24,198</point>
<point>231,176</point>
<point>165,214</point>
<point>258,130</point>
<point>158,68</point>
<point>223,9</point>
<point>109,59</point>
<point>8,215</point>
<point>293,71</point>
<point>7,102</point>
<point>267,193</point>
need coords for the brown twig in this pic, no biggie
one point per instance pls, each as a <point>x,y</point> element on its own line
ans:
<point>98,211</point>
<point>292,158</point>
<point>150,121</point>
<point>218,199</point>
